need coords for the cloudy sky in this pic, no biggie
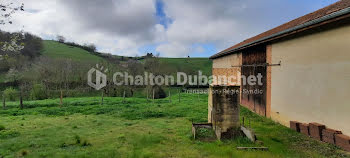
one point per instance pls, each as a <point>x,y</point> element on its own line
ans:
<point>173,28</point>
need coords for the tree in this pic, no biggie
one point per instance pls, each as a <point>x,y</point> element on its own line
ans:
<point>13,75</point>
<point>61,39</point>
<point>33,45</point>
<point>13,44</point>
<point>30,46</point>
<point>92,47</point>
<point>135,68</point>
<point>6,12</point>
<point>149,55</point>
<point>154,66</point>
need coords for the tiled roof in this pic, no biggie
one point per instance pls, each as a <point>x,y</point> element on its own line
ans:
<point>340,5</point>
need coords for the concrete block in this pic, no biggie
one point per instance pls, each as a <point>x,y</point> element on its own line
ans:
<point>225,111</point>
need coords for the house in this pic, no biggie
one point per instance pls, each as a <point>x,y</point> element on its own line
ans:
<point>305,65</point>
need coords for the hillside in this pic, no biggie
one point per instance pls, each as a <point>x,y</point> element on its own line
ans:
<point>55,49</point>
<point>196,64</point>
<point>58,50</point>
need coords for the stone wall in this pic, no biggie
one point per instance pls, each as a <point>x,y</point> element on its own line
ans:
<point>224,114</point>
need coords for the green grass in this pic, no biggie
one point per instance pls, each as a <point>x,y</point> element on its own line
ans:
<point>196,64</point>
<point>55,49</point>
<point>137,128</point>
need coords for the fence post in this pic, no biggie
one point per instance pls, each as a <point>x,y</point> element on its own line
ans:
<point>198,95</point>
<point>153,95</point>
<point>61,98</point>
<point>198,89</point>
<point>20,99</point>
<point>243,121</point>
<point>102,98</point>
<point>147,94</point>
<point>3,101</point>
<point>169,96</point>
<point>124,97</point>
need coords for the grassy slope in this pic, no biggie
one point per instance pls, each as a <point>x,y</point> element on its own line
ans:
<point>137,128</point>
<point>54,49</point>
<point>197,64</point>
<point>57,50</point>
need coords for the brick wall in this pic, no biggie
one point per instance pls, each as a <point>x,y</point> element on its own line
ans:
<point>316,130</point>
<point>320,132</point>
<point>304,129</point>
<point>343,141</point>
<point>328,135</point>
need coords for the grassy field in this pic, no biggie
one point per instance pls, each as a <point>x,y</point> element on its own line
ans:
<point>137,128</point>
<point>54,49</point>
<point>196,64</point>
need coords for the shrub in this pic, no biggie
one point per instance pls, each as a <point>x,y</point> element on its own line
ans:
<point>11,94</point>
<point>8,134</point>
<point>38,92</point>
<point>119,92</point>
<point>205,133</point>
<point>23,153</point>
<point>63,145</point>
<point>85,143</point>
<point>2,127</point>
<point>77,139</point>
<point>159,93</point>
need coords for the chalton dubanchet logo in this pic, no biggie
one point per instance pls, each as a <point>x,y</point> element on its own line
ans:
<point>101,77</point>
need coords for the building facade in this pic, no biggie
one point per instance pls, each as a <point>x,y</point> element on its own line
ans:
<point>305,65</point>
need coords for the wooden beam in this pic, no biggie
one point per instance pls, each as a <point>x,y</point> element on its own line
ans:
<point>259,65</point>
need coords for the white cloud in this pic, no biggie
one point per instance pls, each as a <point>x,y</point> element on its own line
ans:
<point>201,22</point>
<point>122,27</point>
<point>120,30</point>
<point>173,50</point>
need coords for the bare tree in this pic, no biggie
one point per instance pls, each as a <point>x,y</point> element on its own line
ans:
<point>16,76</point>
<point>135,68</point>
<point>154,66</point>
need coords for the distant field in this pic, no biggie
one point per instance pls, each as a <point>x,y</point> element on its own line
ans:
<point>196,64</point>
<point>138,128</point>
<point>54,49</point>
